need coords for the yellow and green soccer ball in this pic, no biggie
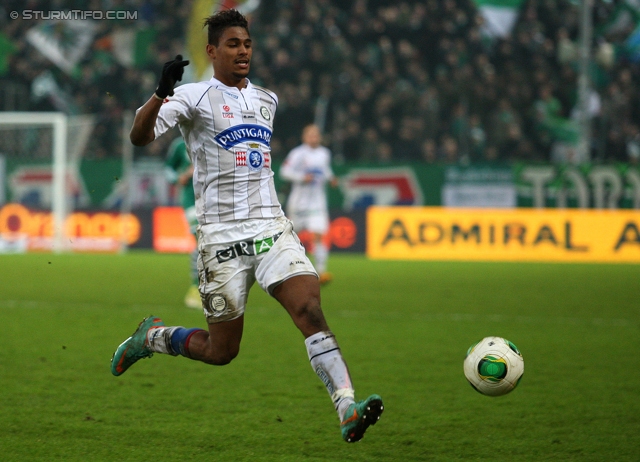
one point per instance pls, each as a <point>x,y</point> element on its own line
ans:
<point>493,366</point>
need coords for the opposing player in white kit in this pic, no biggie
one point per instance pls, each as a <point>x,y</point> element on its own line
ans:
<point>243,234</point>
<point>308,168</point>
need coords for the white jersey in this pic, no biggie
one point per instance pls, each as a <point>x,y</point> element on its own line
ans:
<point>310,197</point>
<point>228,136</point>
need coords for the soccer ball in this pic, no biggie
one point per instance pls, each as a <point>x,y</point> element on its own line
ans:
<point>493,366</point>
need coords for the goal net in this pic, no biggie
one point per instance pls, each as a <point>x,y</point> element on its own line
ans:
<point>40,184</point>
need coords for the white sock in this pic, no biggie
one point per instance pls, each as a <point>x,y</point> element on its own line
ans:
<point>327,362</point>
<point>159,340</point>
<point>320,256</point>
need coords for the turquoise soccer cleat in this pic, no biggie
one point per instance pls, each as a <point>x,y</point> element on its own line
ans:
<point>359,416</point>
<point>135,347</point>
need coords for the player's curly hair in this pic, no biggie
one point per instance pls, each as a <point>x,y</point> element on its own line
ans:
<point>218,22</point>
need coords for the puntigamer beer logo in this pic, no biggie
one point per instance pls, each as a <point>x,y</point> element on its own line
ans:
<point>243,133</point>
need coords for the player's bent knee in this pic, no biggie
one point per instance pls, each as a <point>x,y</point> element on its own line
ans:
<point>220,358</point>
<point>306,308</point>
<point>308,315</point>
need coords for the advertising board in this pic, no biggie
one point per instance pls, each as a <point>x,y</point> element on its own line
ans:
<point>554,235</point>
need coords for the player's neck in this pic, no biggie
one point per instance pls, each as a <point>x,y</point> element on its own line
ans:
<point>232,82</point>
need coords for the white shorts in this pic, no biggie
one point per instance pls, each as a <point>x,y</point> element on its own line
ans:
<point>227,270</point>
<point>315,222</point>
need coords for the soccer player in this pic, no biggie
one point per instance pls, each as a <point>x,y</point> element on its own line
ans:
<point>243,234</point>
<point>308,167</point>
<point>179,170</point>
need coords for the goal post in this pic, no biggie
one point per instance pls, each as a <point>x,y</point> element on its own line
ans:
<point>58,122</point>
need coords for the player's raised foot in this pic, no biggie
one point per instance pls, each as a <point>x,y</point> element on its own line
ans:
<point>192,298</point>
<point>359,416</point>
<point>135,347</point>
<point>325,278</point>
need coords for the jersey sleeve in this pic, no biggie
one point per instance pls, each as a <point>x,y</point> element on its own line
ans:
<point>290,170</point>
<point>328,171</point>
<point>176,109</point>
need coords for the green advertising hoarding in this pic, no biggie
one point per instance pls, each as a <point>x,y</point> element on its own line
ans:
<point>98,183</point>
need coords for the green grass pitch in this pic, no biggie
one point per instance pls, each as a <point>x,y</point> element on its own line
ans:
<point>404,328</point>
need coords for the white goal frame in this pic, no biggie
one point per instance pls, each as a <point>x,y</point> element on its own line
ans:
<point>58,122</point>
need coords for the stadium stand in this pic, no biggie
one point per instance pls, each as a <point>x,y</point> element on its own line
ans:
<point>407,80</point>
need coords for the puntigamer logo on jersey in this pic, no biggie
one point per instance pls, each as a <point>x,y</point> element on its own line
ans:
<point>243,133</point>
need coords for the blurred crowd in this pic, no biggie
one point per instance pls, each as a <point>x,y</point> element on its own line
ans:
<point>388,81</point>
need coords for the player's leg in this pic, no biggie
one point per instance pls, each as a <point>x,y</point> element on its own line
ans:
<point>300,296</point>
<point>192,297</point>
<point>218,346</point>
<point>320,257</point>
<point>318,224</point>
<point>298,291</point>
<point>224,288</point>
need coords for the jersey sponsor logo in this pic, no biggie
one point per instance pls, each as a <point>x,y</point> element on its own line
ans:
<point>243,133</point>
<point>317,174</point>
<point>246,248</point>
<point>231,94</point>
<point>225,109</point>
<point>254,158</point>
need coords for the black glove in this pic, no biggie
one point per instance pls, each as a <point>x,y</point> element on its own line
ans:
<point>171,73</point>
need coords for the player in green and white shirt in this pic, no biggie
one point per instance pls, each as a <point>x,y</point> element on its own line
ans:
<point>179,170</point>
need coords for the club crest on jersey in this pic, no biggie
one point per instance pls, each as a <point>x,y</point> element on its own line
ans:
<point>254,158</point>
<point>265,113</point>
<point>226,111</point>
<point>243,133</point>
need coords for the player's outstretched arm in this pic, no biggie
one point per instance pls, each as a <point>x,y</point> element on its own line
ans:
<point>145,120</point>
<point>142,131</point>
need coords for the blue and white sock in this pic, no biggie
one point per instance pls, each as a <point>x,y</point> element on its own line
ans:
<point>171,340</point>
